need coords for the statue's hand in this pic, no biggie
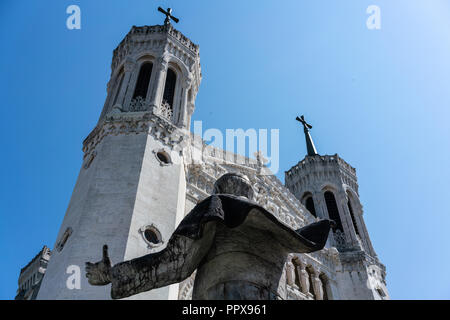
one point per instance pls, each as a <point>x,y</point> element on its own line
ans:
<point>98,274</point>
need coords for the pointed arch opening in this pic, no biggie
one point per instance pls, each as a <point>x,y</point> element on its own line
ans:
<point>169,88</point>
<point>308,202</point>
<point>333,211</point>
<point>143,80</point>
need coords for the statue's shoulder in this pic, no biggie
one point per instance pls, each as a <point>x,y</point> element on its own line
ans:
<point>226,208</point>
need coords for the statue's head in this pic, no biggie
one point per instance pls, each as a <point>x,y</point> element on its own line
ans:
<point>235,184</point>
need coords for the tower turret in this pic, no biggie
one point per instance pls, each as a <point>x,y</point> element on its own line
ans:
<point>131,189</point>
<point>155,69</point>
<point>327,186</point>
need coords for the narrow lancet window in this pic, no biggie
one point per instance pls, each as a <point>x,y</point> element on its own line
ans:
<point>332,208</point>
<point>353,216</point>
<point>309,204</point>
<point>143,81</point>
<point>169,89</point>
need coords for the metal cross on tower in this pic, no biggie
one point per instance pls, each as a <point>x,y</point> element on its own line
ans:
<point>168,14</point>
<point>309,142</point>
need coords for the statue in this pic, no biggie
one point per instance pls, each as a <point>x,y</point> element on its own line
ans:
<point>237,247</point>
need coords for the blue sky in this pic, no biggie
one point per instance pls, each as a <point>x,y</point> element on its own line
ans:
<point>378,98</point>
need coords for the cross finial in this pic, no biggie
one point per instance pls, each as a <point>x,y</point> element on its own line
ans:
<point>169,15</point>
<point>306,125</point>
<point>309,142</point>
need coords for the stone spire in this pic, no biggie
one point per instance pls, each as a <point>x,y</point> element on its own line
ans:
<point>309,142</point>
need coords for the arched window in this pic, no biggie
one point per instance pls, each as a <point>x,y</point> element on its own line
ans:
<point>143,80</point>
<point>353,216</point>
<point>332,208</point>
<point>309,204</point>
<point>169,88</point>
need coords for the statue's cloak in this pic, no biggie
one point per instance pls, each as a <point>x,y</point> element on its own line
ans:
<point>234,211</point>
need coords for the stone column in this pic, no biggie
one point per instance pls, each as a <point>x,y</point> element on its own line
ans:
<point>317,285</point>
<point>290,273</point>
<point>114,80</point>
<point>129,67</point>
<point>304,278</point>
<point>160,79</point>
<point>190,106</point>
<point>322,204</point>
<point>183,110</point>
<point>317,197</point>
<point>107,106</point>
<point>347,223</point>
<point>346,219</point>
<point>358,211</point>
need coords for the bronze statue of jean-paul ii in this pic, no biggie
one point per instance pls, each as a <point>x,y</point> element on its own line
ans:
<point>237,247</point>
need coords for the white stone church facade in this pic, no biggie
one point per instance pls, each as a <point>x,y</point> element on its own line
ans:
<point>143,171</point>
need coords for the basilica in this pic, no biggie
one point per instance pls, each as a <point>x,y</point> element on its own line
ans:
<point>143,171</point>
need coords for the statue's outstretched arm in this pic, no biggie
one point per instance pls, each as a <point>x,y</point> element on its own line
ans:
<point>175,263</point>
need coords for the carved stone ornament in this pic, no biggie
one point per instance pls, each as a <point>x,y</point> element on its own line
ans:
<point>90,159</point>
<point>339,238</point>
<point>138,104</point>
<point>61,243</point>
<point>165,110</point>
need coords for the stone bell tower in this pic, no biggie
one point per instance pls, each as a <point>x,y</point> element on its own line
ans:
<point>131,189</point>
<point>327,186</point>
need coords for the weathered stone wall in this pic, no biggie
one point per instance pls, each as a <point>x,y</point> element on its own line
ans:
<point>99,212</point>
